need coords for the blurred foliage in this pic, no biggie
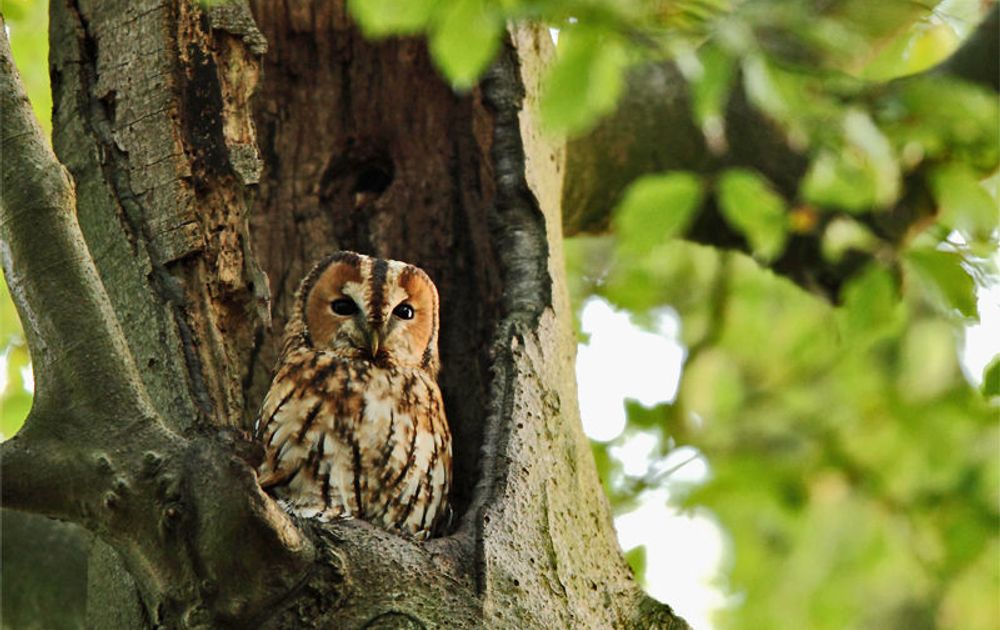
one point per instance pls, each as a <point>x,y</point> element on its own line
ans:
<point>15,398</point>
<point>852,464</point>
<point>28,28</point>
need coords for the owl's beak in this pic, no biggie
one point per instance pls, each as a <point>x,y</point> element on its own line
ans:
<point>374,341</point>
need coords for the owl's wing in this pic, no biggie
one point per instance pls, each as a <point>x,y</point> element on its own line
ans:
<point>285,417</point>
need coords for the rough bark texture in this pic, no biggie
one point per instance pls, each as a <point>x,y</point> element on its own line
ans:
<point>137,428</point>
<point>95,449</point>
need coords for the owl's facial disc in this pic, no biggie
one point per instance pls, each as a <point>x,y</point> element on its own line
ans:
<point>376,310</point>
<point>355,329</point>
<point>333,307</point>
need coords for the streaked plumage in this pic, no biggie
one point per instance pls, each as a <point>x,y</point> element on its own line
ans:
<point>353,424</point>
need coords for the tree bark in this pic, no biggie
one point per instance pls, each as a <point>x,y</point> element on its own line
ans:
<point>200,192</point>
<point>44,572</point>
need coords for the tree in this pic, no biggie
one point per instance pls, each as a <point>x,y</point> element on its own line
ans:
<point>206,156</point>
<point>148,233</point>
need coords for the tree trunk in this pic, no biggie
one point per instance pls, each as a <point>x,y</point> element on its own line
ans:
<point>215,154</point>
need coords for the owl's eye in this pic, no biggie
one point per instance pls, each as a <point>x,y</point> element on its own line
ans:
<point>403,311</point>
<point>344,306</point>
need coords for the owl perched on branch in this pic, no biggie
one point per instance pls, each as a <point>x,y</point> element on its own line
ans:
<point>353,424</point>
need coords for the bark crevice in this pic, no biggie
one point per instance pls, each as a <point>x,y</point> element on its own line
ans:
<point>115,167</point>
<point>518,224</point>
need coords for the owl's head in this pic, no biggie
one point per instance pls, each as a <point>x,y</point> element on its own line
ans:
<point>370,309</point>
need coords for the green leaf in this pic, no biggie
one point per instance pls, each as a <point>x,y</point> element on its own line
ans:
<point>765,89</point>
<point>871,303</point>
<point>991,378</point>
<point>636,558</point>
<point>834,182</point>
<point>859,173</point>
<point>466,39</point>
<point>944,272</point>
<point>844,234</point>
<point>655,209</point>
<point>381,18</point>
<point>912,51</point>
<point>585,81</point>
<point>929,47</point>
<point>928,361</point>
<point>784,94</point>
<point>934,116</point>
<point>710,86</point>
<point>750,205</point>
<point>964,204</point>
<point>874,155</point>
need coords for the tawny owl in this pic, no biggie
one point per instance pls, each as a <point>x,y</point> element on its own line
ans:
<point>353,424</point>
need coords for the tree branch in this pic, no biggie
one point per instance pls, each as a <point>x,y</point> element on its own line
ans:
<point>79,377</point>
<point>93,449</point>
<point>653,130</point>
<point>50,273</point>
<point>172,508</point>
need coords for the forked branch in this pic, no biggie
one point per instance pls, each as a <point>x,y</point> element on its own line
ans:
<point>52,277</point>
<point>93,449</point>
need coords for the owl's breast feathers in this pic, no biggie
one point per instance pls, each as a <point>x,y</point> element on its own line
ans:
<point>352,439</point>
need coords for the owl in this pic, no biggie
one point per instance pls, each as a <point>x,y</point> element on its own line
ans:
<point>353,425</point>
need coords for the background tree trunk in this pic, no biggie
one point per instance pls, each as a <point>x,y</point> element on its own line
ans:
<point>216,153</point>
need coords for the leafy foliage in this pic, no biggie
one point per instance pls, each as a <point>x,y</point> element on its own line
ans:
<point>15,398</point>
<point>464,35</point>
<point>852,463</point>
<point>750,205</point>
<point>943,272</point>
<point>657,208</point>
<point>586,80</point>
<point>28,25</point>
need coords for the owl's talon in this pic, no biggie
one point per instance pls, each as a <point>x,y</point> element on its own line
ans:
<point>274,478</point>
